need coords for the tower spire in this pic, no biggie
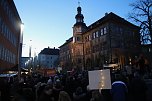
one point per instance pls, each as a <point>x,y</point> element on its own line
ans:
<point>79,16</point>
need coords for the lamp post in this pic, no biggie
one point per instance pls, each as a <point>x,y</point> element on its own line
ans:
<point>30,58</point>
<point>30,48</point>
<point>20,50</point>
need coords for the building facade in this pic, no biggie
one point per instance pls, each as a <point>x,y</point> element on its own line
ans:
<point>48,58</point>
<point>110,40</point>
<point>9,35</point>
<point>26,62</point>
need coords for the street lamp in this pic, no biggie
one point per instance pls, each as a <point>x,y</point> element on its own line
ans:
<point>30,48</point>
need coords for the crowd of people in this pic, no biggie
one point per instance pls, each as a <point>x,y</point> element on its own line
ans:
<point>73,87</point>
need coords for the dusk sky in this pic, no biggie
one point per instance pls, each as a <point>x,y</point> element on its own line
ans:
<point>50,22</point>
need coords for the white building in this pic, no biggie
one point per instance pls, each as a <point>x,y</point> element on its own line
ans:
<point>48,58</point>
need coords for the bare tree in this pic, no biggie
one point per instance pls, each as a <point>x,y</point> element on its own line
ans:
<point>142,15</point>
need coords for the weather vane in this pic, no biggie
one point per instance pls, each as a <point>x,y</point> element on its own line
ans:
<point>78,3</point>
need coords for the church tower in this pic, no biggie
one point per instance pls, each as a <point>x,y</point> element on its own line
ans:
<point>78,45</point>
<point>79,27</point>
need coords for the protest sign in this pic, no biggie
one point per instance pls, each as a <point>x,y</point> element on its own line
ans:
<point>99,79</point>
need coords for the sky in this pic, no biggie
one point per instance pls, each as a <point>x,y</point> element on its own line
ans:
<point>48,23</point>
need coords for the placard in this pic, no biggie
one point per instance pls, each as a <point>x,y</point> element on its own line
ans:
<point>99,79</point>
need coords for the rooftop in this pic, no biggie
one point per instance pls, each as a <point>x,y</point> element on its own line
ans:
<point>50,51</point>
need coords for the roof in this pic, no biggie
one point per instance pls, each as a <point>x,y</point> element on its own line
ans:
<point>67,41</point>
<point>50,51</point>
<point>111,16</point>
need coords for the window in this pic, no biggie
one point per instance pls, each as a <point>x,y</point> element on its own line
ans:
<point>79,29</point>
<point>89,37</point>
<point>121,30</point>
<point>14,58</point>
<point>2,55</point>
<point>105,30</point>
<point>86,38</point>
<point>78,39</point>
<point>71,50</point>
<point>0,23</point>
<point>78,20</point>
<point>73,39</point>
<point>94,35</point>
<point>97,35</point>
<point>101,32</point>
<point>9,56</point>
<point>2,27</point>
<point>0,50</point>
<point>43,57</point>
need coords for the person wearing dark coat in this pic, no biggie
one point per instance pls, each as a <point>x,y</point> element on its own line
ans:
<point>138,88</point>
<point>97,96</point>
<point>57,87</point>
<point>79,95</point>
<point>119,90</point>
<point>47,94</point>
<point>64,96</point>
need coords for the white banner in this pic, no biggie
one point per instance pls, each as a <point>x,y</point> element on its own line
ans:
<point>99,79</point>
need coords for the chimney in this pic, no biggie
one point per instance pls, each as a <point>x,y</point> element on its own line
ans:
<point>106,14</point>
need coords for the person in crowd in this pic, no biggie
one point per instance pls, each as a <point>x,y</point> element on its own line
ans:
<point>79,95</point>
<point>4,90</point>
<point>57,87</point>
<point>70,85</point>
<point>138,88</point>
<point>47,94</point>
<point>64,96</point>
<point>37,86</point>
<point>28,94</point>
<point>119,89</point>
<point>142,66</point>
<point>106,94</point>
<point>96,96</point>
<point>50,82</point>
<point>40,89</point>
